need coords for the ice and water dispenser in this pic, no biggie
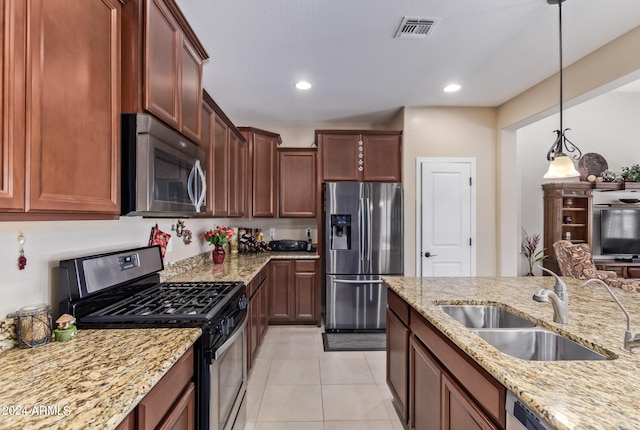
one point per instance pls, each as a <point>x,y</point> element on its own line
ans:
<point>340,231</point>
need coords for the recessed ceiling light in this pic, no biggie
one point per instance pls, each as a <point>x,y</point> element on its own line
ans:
<point>303,85</point>
<point>452,88</point>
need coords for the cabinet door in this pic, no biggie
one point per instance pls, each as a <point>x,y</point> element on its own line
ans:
<point>12,71</point>
<point>253,331</point>
<point>280,290</point>
<point>382,158</point>
<point>73,118</point>
<point>264,307</point>
<point>182,415</point>
<point>398,364</point>
<point>219,193</point>
<point>459,412</point>
<point>206,141</point>
<point>264,174</point>
<point>190,91</point>
<point>297,183</point>
<point>339,155</point>
<point>237,183</point>
<point>305,296</point>
<point>425,381</point>
<point>163,40</point>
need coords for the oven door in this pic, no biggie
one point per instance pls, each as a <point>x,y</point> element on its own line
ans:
<point>228,373</point>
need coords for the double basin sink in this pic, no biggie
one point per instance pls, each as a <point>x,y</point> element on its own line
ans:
<point>517,336</point>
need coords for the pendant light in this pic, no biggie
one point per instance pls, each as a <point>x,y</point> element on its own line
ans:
<point>560,164</point>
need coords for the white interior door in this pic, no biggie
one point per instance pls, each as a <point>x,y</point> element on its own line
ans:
<point>446,217</point>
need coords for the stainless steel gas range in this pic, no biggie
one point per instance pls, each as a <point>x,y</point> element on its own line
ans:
<point>123,289</point>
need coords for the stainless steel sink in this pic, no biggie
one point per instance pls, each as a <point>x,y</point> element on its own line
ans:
<point>479,316</point>
<point>537,344</point>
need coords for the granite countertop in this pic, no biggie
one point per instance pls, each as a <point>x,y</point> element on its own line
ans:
<point>90,382</point>
<point>236,267</point>
<point>569,394</point>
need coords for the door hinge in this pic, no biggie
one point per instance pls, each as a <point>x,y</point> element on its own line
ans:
<point>470,242</point>
<point>470,182</point>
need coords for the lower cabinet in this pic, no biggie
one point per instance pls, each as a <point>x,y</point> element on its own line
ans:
<point>257,290</point>
<point>294,291</point>
<point>171,404</point>
<point>398,364</point>
<point>446,388</point>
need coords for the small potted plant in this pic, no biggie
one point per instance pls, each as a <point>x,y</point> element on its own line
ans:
<point>631,174</point>
<point>528,248</point>
<point>218,237</point>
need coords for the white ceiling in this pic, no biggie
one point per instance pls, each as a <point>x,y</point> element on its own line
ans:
<point>346,48</point>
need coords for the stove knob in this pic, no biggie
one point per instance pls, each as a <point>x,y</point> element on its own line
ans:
<point>224,327</point>
<point>243,303</point>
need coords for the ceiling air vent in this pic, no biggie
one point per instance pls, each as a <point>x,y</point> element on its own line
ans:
<point>413,27</point>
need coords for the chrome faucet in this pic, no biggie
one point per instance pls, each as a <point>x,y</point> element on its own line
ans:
<point>630,340</point>
<point>559,298</point>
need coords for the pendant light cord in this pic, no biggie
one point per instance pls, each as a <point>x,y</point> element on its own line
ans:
<point>561,72</point>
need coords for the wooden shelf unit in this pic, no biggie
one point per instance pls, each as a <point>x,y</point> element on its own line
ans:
<point>561,200</point>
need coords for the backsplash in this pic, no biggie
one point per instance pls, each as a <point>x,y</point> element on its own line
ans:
<point>179,267</point>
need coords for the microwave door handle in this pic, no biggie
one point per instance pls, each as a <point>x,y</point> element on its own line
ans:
<point>203,179</point>
<point>190,184</point>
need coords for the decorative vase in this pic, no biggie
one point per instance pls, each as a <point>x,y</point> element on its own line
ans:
<point>218,254</point>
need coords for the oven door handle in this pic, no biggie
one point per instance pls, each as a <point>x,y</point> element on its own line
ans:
<point>223,348</point>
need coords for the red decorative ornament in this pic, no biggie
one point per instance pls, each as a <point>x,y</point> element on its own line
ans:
<point>22,260</point>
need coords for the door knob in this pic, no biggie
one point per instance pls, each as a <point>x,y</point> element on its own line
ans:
<point>428,254</point>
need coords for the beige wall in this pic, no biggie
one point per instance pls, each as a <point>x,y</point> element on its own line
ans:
<point>452,132</point>
<point>609,67</point>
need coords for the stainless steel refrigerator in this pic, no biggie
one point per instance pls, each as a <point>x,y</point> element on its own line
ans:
<point>364,239</point>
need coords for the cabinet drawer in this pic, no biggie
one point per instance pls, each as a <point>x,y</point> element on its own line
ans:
<point>486,391</point>
<point>305,265</point>
<point>633,272</point>
<point>398,306</point>
<point>153,408</point>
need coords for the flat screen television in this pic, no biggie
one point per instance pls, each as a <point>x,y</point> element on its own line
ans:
<point>620,232</point>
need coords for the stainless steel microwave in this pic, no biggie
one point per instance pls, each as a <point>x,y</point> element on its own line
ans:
<point>162,172</point>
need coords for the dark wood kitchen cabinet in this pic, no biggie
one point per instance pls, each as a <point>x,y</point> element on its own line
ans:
<point>447,389</point>
<point>171,403</point>
<point>397,369</point>
<point>262,162</point>
<point>62,122</point>
<point>293,292</point>
<point>360,155</point>
<point>257,291</point>
<point>162,65</point>
<point>297,182</point>
<point>226,149</point>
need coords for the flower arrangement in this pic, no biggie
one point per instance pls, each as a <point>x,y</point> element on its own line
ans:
<point>528,248</point>
<point>219,235</point>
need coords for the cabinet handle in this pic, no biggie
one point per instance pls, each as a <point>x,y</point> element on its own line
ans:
<point>360,169</point>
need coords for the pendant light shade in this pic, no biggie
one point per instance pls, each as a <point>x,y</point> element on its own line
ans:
<point>561,167</point>
<point>560,164</point>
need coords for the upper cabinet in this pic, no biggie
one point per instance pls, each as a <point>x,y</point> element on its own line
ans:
<point>162,65</point>
<point>297,182</point>
<point>358,155</point>
<point>262,162</point>
<point>226,153</point>
<point>61,109</point>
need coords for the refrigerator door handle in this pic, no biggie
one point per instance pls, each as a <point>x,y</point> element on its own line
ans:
<point>351,281</point>
<point>362,229</point>
<point>369,237</point>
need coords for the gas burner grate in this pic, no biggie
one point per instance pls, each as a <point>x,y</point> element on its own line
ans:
<point>170,300</point>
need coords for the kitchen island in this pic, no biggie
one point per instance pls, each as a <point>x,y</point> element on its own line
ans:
<point>568,394</point>
<point>91,382</point>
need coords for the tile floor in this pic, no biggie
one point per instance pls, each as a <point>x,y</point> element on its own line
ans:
<point>295,385</point>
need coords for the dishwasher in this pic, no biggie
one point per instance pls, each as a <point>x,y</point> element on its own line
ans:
<point>521,417</point>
